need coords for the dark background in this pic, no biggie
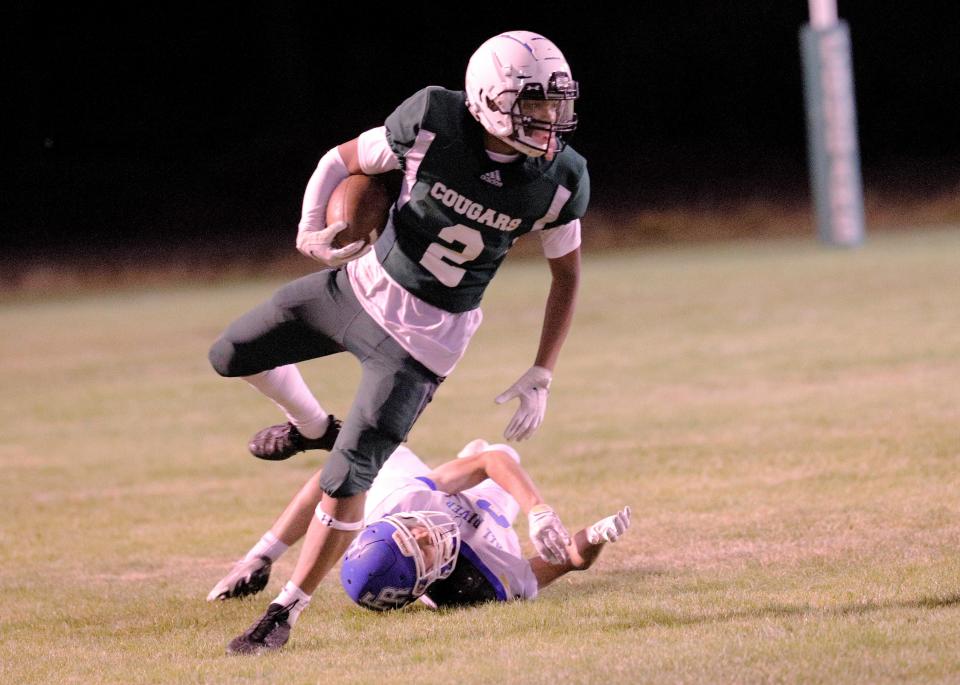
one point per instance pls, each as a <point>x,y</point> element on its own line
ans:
<point>189,126</point>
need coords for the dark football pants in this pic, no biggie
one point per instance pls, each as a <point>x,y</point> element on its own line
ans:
<point>319,315</point>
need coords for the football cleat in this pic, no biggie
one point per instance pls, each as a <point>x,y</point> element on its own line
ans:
<point>247,577</point>
<point>270,632</point>
<point>282,441</point>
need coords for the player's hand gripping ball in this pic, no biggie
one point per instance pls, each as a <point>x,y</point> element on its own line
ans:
<point>363,203</point>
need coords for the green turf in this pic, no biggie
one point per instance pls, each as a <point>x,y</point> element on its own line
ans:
<point>783,418</point>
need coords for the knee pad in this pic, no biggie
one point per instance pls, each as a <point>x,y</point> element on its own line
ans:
<point>221,355</point>
<point>230,362</point>
<point>339,478</point>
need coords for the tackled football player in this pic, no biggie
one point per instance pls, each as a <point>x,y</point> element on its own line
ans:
<point>443,536</point>
<point>479,169</point>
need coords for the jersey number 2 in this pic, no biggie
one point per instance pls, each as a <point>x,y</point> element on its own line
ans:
<point>441,260</point>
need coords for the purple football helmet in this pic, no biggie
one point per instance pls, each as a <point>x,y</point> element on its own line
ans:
<point>385,567</point>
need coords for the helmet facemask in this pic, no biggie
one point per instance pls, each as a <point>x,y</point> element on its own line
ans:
<point>444,542</point>
<point>540,121</point>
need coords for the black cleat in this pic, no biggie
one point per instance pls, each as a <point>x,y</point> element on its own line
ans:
<point>269,633</point>
<point>247,577</point>
<point>282,441</point>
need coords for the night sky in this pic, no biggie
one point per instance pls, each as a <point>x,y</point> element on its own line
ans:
<point>161,125</point>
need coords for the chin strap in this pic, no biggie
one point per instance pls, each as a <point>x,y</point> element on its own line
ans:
<point>331,522</point>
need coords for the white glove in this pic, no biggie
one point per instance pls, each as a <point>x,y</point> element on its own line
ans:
<point>247,577</point>
<point>319,245</point>
<point>609,529</point>
<point>532,388</point>
<point>548,535</point>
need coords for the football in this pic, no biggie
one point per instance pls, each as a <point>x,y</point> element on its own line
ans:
<point>364,203</point>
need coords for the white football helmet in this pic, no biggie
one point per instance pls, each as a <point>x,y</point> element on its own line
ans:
<point>520,89</point>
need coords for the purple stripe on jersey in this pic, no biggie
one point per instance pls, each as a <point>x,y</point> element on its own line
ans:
<point>487,573</point>
<point>430,483</point>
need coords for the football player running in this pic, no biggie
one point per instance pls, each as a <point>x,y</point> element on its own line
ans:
<point>480,169</point>
<point>443,536</point>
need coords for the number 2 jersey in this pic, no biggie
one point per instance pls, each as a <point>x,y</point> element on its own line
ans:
<point>459,212</point>
<point>484,514</point>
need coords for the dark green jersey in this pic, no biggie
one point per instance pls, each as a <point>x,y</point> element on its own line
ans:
<point>459,212</point>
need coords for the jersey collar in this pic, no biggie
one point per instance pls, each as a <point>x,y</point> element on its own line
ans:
<point>501,158</point>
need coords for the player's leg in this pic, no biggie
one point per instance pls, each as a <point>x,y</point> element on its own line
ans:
<point>250,574</point>
<point>336,523</point>
<point>394,390</point>
<point>293,523</point>
<point>302,320</point>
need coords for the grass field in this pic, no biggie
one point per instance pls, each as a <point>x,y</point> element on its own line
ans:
<point>783,418</point>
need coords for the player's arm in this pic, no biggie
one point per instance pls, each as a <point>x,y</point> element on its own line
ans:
<point>547,533</point>
<point>499,466</point>
<point>583,549</point>
<point>350,155</point>
<point>369,153</point>
<point>533,387</point>
<point>561,304</point>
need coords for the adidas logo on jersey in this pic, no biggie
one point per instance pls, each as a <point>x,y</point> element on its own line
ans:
<point>493,178</point>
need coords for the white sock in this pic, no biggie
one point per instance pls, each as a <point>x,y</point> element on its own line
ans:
<point>288,594</point>
<point>269,546</point>
<point>286,387</point>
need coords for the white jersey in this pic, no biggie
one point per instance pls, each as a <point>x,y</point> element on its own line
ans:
<point>484,513</point>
